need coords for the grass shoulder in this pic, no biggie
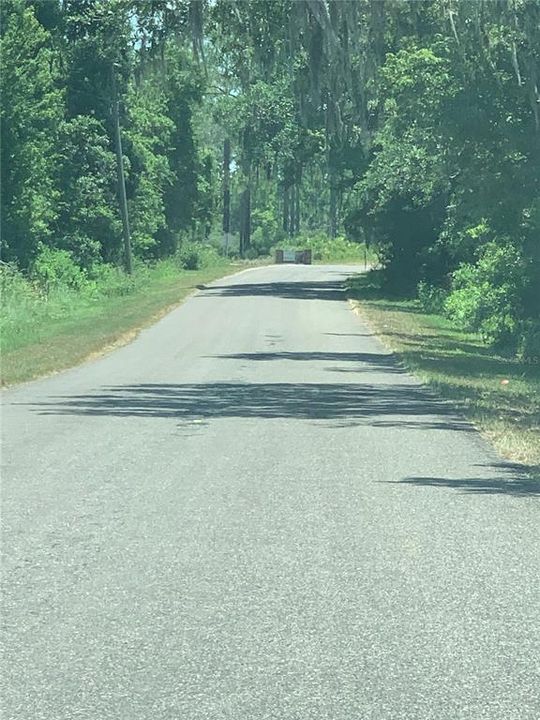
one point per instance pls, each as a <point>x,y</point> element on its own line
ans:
<point>41,336</point>
<point>500,395</point>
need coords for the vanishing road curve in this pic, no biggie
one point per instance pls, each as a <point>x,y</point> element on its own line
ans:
<point>252,512</point>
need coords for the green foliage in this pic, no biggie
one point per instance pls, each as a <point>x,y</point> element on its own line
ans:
<point>327,249</point>
<point>148,142</point>
<point>20,299</point>
<point>98,38</point>
<point>267,231</point>
<point>56,269</point>
<point>432,298</point>
<point>30,112</point>
<point>183,86</point>
<point>529,342</point>
<point>88,224</point>
<point>195,256</point>
<point>456,137</point>
<point>414,128</point>
<point>487,296</point>
<point>400,201</point>
<point>106,280</point>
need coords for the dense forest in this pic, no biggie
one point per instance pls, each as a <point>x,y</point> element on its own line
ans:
<point>134,129</point>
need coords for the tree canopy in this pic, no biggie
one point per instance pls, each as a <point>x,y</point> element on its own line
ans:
<point>410,125</point>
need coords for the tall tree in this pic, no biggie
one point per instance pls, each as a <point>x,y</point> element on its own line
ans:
<point>30,114</point>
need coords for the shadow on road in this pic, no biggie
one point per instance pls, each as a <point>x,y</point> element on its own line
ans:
<point>289,290</point>
<point>368,334</point>
<point>514,480</point>
<point>397,404</point>
<point>370,361</point>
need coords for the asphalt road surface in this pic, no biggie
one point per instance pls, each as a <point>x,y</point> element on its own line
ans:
<point>252,512</point>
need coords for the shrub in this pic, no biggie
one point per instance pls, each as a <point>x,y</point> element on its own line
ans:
<point>487,296</point>
<point>190,257</point>
<point>20,298</point>
<point>529,344</point>
<point>267,232</point>
<point>251,254</point>
<point>432,299</point>
<point>26,305</point>
<point>56,270</point>
<point>110,281</point>
<point>194,256</point>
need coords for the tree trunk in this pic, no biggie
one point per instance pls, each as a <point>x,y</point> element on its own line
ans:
<point>247,236</point>
<point>292,209</point>
<point>241,227</point>
<point>297,210</point>
<point>245,221</point>
<point>121,179</point>
<point>286,216</point>
<point>333,208</point>
<point>226,193</point>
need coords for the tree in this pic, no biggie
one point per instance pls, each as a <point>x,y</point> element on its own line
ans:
<point>30,115</point>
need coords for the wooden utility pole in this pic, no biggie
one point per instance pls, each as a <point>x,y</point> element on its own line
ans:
<point>122,199</point>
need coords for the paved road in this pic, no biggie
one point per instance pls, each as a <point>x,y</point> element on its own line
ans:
<point>253,513</point>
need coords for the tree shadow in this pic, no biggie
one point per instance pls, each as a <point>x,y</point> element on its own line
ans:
<point>368,334</point>
<point>449,354</point>
<point>467,363</point>
<point>446,343</point>
<point>516,480</point>
<point>300,290</point>
<point>367,403</point>
<point>368,361</point>
<point>398,306</point>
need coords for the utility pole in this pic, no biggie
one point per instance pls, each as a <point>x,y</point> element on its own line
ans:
<point>122,199</point>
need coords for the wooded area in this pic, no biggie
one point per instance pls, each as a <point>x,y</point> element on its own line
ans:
<point>410,125</point>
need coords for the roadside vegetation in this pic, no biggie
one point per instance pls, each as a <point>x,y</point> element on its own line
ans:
<point>60,315</point>
<point>499,393</point>
<point>406,131</point>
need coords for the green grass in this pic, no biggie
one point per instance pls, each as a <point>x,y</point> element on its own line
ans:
<point>500,395</point>
<point>43,334</point>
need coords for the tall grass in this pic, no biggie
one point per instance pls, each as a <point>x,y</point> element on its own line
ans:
<point>56,316</point>
<point>31,304</point>
<point>29,309</point>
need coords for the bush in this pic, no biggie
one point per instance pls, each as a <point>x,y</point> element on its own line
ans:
<point>195,256</point>
<point>190,257</point>
<point>25,304</point>
<point>432,299</point>
<point>529,344</point>
<point>267,232</point>
<point>487,296</point>
<point>20,298</point>
<point>111,281</point>
<point>56,270</point>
